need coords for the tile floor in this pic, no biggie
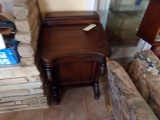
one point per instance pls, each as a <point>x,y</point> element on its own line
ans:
<point>76,104</point>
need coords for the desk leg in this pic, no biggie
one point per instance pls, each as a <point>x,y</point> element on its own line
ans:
<point>96,90</point>
<point>95,80</point>
<point>96,83</point>
<point>53,88</point>
<point>55,94</point>
<point>103,69</point>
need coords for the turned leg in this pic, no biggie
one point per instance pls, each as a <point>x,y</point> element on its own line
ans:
<point>95,80</point>
<point>55,93</point>
<point>96,83</point>
<point>96,90</point>
<point>53,88</point>
<point>103,68</point>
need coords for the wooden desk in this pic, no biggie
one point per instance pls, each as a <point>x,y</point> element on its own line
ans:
<point>71,56</point>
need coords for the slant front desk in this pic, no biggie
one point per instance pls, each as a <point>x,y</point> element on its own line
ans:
<point>71,56</point>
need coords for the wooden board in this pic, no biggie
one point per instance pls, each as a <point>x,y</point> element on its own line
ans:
<point>8,107</point>
<point>27,61</point>
<point>24,104</point>
<point>37,90</point>
<point>11,93</point>
<point>35,78</point>
<point>7,103</point>
<point>37,105</point>
<point>30,101</point>
<point>19,72</point>
<point>21,86</point>
<point>12,81</point>
<point>26,79</point>
<point>35,101</point>
<point>21,97</point>
<point>22,109</point>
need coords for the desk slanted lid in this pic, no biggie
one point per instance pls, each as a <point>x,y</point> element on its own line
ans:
<point>72,40</point>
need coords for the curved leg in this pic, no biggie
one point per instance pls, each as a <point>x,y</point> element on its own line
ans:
<point>96,90</point>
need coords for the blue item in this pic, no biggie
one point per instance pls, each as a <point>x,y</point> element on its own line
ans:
<point>138,2</point>
<point>10,55</point>
<point>6,24</point>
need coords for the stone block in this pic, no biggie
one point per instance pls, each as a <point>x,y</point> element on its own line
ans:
<point>23,11</point>
<point>26,25</point>
<point>26,37</point>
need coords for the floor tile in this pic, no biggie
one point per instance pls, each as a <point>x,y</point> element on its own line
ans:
<point>104,78</point>
<point>22,115</point>
<point>105,92</point>
<point>96,109</point>
<point>76,104</point>
<point>70,108</point>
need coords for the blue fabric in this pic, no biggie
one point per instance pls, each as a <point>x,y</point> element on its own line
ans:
<point>6,24</point>
<point>150,64</point>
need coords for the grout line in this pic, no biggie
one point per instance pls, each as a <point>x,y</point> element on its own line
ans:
<point>84,105</point>
<point>41,114</point>
<point>102,91</point>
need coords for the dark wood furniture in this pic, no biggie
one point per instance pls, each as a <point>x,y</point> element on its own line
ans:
<point>71,56</point>
<point>150,26</point>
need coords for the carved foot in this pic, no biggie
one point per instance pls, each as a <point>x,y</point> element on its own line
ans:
<point>55,94</point>
<point>96,91</point>
<point>56,102</point>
